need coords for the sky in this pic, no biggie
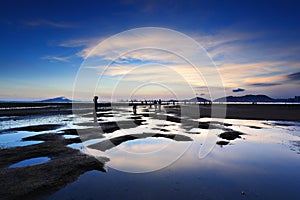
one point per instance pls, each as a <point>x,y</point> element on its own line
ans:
<point>46,47</point>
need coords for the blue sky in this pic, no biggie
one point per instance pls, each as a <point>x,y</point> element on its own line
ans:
<point>254,44</point>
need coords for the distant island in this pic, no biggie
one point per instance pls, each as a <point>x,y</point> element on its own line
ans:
<point>245,98</point>
<point>56,100</point>
<point>255,98</point>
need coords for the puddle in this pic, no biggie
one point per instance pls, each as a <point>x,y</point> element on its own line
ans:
<point>30,162</point>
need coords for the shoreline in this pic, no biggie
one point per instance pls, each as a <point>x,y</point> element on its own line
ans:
<point>284,112</point>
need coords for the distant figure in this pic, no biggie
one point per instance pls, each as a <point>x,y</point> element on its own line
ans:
<point>155,104</point>
<point>96,103</point>
<point>95,108</point>
<point>173,103</point>
<point>134,109</point>
<point>159,101</point>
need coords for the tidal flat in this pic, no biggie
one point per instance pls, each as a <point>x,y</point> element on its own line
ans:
<point>162,153</point>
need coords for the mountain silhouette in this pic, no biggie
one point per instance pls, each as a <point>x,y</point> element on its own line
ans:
<point>57,100</point>
<point>246,98</point>
<point>198,99</point>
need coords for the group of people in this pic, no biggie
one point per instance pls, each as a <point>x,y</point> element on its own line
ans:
<point>134,105</point>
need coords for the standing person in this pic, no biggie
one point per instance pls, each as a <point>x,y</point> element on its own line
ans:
<point>155,104</point>
<point>159,101</point>
<point>95,103</point>
<point>95,108</point>
<point>134,109</point>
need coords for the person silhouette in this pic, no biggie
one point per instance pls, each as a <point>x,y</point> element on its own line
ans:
<point>134,109</point>
<point>95,108</point>
<point>96,103</point>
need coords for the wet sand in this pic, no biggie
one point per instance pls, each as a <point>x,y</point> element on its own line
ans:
<point>37,181</point>
<point>285,112</point>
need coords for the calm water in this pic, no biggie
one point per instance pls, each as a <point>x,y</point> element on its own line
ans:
<point>263,164</point>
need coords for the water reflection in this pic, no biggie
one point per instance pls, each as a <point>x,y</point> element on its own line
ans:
<point>263,162</point>
<point>30,162</point>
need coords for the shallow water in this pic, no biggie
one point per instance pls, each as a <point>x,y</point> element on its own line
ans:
<point>30,162</point>
<point>263,164</point>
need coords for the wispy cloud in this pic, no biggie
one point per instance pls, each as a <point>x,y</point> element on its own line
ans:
<point>264,84</point>
<point>48,23</point>
<point>56,58</point>
<point>81,42</point>
<point>294,76</point>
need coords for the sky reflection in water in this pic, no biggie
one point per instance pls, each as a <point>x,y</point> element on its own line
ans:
<point>264,163</point>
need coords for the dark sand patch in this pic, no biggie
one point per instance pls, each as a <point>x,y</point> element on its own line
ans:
<point>53,137</point>
<point>145,114</point>
<point>113,142</point>
<point>220,123</point>
<point>255,127</point>
<point>68,132</point>
<point>40,180</point>
<point>163,125</point>
<point>222,143</point>
<point>109,127</point>
<point>231,135</point>
<point>190,124</point>
<point>161,129</point>
<point>194,132</point>
<point>289,112</point>
<point>135,117</point>
<point>89,124</point>
<point>35,128</point>
<point>65,166</point>
<point>167,118</point>
<point>84,134</point>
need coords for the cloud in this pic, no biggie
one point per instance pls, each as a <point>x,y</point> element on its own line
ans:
<point>294,76</point>
<point>56,58</point>
<point>238,90</point>
<point>240,61</point>
<point>48,23</point>
<point>264,84</point>
<point>81,42</point>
